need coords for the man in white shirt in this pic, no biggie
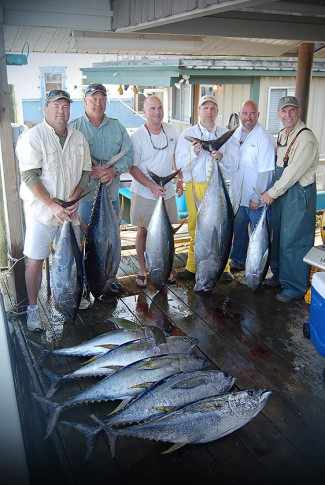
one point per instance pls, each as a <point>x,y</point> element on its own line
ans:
<point>196,163</point>
<point>153,146</point>
<point>253,152</point>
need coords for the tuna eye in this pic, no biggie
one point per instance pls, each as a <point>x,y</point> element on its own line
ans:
<point>250,392</point>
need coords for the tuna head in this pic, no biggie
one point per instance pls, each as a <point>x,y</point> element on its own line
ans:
<point>247,404</point>
<point>205,275</point>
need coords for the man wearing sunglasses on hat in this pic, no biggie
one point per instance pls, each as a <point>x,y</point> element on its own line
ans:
<point>293,199</point>
<point>54,161</point>
<point>107,137</point>
<point>154,146</point>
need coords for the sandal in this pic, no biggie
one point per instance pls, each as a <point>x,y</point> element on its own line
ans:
<point>141,281</point>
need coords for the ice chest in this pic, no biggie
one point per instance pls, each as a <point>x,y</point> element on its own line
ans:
<point>317,312</point>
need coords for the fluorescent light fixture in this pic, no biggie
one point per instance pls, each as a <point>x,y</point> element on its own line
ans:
<point>118,42</point>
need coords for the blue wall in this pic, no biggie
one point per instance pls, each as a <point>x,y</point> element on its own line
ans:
<point>33,111</point>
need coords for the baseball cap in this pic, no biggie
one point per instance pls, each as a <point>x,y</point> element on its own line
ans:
<point>96,88</point>
<point>288,101</point>
<point>56,94</point>
<point>206,98</point>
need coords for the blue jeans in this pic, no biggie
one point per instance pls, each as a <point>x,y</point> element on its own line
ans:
<point>245,222</point>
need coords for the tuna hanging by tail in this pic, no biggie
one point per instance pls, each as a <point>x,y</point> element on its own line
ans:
<point>66,272</point>
<point>214,232</point>
<point>258,253</point>
<point>160,239</point>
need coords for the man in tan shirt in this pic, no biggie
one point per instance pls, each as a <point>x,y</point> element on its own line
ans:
<point>293,199</point>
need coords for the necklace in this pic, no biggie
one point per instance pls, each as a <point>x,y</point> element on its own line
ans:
<point>157,148</point>
<point>201,132</point>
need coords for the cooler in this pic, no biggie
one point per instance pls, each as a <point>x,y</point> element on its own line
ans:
<point>317,312</point>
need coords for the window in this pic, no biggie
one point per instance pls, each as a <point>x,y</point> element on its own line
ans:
<point>51,78</point>
<point>181,104</point>
<point>274,124</point>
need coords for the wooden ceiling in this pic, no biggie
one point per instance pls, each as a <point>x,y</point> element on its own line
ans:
<point>195,28</point>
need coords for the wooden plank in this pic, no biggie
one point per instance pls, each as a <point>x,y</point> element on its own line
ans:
<point>10,185</point>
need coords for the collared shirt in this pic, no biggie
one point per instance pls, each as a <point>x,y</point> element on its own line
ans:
<point>192,165</point>
<point>109,139</point>
<point>302,163</point>
<point>249,163</point>
<point>39,148</point>
<point>145,156</point>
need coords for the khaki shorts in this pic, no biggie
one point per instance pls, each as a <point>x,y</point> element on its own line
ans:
<point>142,209</point>
<point>39,238</point>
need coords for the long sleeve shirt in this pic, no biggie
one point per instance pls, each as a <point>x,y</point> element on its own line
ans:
<point>109,139</point>
<point>60,168</point>
<point>302,163</point>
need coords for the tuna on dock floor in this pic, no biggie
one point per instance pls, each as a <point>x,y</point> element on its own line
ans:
<point>251,336</point>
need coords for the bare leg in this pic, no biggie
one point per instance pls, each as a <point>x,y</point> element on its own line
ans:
<point>33,278</point>
<point>140,246</point>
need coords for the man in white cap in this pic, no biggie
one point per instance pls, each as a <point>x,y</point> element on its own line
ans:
<point>195,163</point>
<point>293,199</point>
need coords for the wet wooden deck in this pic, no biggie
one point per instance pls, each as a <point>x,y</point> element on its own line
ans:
<point>251,336</point>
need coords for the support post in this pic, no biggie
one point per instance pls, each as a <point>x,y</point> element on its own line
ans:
<point>9,182</point>
<point>304,73</point>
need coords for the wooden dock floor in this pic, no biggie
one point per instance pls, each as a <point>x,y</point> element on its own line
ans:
<point>251,336</point>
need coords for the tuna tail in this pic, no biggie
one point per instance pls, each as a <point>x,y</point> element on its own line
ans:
<point>90,432</point>
<point>162,180</point>
<point>44,352</point>
<point>56,410</point>
<point>65,204</point>
<point>55,382</point>
<point>109,163</point>
<point>216,144</point>
<point>111,434</point>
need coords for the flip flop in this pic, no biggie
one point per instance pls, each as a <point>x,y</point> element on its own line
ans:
<point>141,281</point>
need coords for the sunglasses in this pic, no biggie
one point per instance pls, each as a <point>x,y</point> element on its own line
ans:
<point>96,87</point>
<point>58,92</point>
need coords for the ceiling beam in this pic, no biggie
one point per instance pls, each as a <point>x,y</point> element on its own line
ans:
<point>53,16</point>
<point>240,27</point>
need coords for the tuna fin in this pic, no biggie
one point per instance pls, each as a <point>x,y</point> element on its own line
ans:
<point>124,323</point>
<point>120,406</point>
<point>158,335</point>
<point>144,385</point>
<point>111,434</point>
<point>56,409</point>
<point>90,433</point>
<point>162,180</point>
<point>176,446</point>
<point>113,367</point>
<point>176,229</point>
<point>65,204</point>
<point>116,158</point>
<point>107,346</point>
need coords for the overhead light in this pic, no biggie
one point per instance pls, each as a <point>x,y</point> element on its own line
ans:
<point>185,81</point>
<point>135,43</point>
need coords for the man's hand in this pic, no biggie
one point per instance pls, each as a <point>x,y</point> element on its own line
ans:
<point>266,199</point>
<point>105,175</point>
<point>216,155</point>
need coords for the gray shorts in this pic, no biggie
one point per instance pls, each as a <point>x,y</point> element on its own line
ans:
<point>39,237</point>
<point>142,209</point>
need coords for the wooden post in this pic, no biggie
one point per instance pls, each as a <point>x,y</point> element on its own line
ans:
<point>9,183</point>
<point>304,73</point>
